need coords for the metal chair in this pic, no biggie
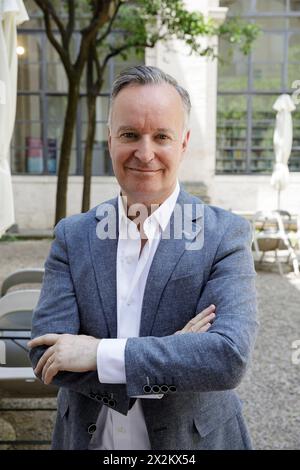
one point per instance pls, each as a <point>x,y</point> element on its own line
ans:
<point>17,379</point>
<point>16,309</point>
<point>270,234</point>
<point>23,276</point>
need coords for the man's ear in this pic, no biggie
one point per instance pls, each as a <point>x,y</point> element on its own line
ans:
<point>186,140</point>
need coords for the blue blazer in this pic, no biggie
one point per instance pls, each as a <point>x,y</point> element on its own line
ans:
<point>79,297</point>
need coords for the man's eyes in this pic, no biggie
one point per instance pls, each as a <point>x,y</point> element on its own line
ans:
<point>163,137</point>
<point>128,135</point>
<point>132,135</point>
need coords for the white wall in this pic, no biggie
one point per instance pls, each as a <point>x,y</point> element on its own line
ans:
<point>34,198</point>
<point>250,193</point>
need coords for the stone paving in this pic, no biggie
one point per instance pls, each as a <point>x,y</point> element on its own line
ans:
<point>270,390</point>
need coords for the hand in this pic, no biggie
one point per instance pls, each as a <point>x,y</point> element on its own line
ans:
<point>201,322</point>
<point>73,353</point>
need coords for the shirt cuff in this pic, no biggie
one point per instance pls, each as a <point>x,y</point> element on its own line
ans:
<point>111,361</point>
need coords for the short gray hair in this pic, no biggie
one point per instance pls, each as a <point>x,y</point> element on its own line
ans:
<point>148,75</point>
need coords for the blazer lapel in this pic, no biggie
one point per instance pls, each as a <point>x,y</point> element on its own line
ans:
<point>168,255</point>
<point>104,259</point>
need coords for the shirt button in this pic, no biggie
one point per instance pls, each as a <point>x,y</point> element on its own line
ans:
<point>92,428</point>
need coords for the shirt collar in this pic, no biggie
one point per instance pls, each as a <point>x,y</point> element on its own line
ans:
<point>161,215</point>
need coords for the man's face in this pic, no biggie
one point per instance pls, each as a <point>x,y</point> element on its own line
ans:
<point>147,141</point>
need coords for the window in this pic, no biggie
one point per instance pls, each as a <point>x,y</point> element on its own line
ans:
<point>249,85</point>
<point>41,106</point>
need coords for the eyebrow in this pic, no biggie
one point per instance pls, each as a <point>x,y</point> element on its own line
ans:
<point>160,129</point>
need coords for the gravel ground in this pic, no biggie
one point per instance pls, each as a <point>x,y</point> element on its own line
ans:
<point>270,390</point>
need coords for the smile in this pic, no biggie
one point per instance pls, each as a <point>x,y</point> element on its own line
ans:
<point>142,171</point>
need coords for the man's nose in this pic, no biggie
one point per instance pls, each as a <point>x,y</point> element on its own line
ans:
<point>144,151</point>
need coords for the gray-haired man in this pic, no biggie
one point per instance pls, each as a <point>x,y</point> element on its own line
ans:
<point>111,305</point>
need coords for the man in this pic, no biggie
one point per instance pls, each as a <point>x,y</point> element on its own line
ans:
<point>123,278</point>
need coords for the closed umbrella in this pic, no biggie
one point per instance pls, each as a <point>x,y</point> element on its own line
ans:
<point>12,13</point>
<point>282,141</point>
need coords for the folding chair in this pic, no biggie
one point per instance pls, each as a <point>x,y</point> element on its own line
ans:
<point>23,276</point>
<point>16,375</point>
<point>16,309</point>
<point>270,234</point>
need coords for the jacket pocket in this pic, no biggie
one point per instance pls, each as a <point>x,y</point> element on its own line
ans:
<point>214,416</point>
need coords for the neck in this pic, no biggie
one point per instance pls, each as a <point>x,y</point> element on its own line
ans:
<point>135,203</point>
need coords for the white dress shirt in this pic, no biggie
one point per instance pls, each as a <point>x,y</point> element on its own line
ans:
<point>114,430</point>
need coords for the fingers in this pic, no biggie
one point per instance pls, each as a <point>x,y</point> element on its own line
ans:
<point>40,365</point>
<point>47,340</point>
<point>49,371</point>
<point>201,319</point>
<point>201,329</point>
<point>48,363</point>
<point>203,322</point>
<point>207,311</point>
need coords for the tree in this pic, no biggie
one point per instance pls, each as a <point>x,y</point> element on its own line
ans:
<point>111,28</point>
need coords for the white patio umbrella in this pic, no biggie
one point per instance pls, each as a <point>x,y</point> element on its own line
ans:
<point>12,13</point>
<point>282,141</point>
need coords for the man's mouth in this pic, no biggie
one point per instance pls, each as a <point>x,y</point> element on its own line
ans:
<point>141,170</point>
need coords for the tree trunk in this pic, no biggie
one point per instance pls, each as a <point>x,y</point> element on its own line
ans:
<point>93,89</point>
<point>65,152</point>
<point>88,153</point>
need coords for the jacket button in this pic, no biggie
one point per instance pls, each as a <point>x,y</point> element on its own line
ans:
<point>172,388</point>
<point>164,388</point>
<point>105,400</point>
<point>112,403</point>
<point>92,395</point>
<point>147,388</point>
<point>98,397</point>
<point>92,428</point>
<point>155,388</point>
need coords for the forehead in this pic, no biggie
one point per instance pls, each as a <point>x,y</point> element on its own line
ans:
<point>141,103</point>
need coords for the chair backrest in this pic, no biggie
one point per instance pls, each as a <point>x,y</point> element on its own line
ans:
<point>282,213</point>
<point>23,276</point>
<point>268,222</point>
<point>16,309</point>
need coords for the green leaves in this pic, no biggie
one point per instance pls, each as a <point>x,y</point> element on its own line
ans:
<point>149,21</point>
<point>142,23</point>
<point>238,32</point>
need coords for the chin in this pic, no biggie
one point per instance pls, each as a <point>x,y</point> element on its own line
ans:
<point>146,195</point>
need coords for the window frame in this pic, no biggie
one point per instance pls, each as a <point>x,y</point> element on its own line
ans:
<point>250,92</point>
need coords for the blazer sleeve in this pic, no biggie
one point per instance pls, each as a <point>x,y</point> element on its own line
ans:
<point>57,312</point>
<point>217,359</point>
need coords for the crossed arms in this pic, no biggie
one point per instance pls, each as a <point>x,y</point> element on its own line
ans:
<point>214,360</point>
<point>78,353</point>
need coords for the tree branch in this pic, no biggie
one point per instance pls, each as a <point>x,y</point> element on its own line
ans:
<point>57,46</point>
<point>71,22</point>
<point>120,49</point>
<point>100,17</point>
<point>99,69</point>
<point>108,29</point>
<point>45,5</point>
